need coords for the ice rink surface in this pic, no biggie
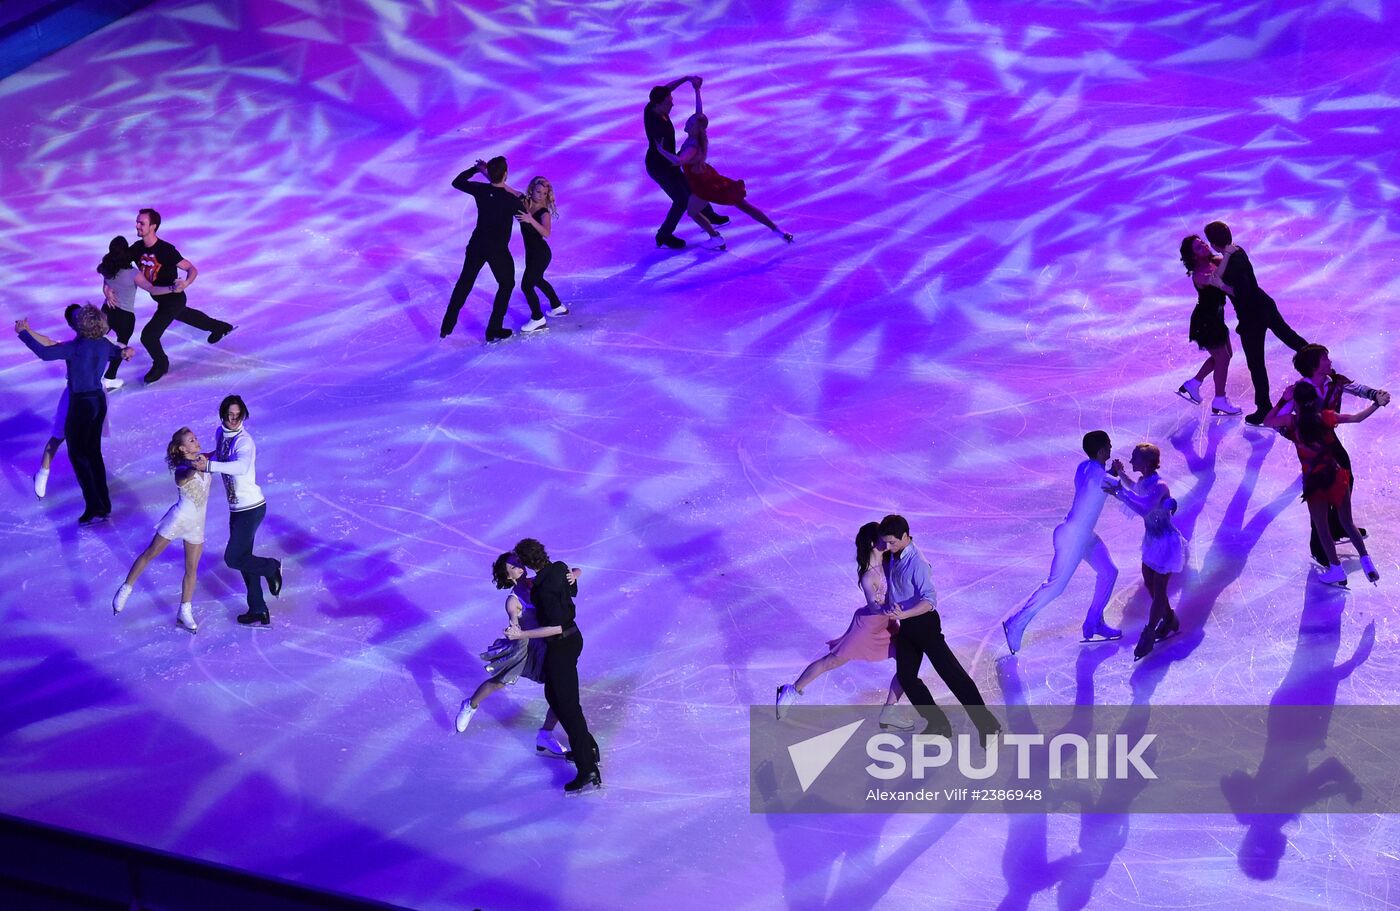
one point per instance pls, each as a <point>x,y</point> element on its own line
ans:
<point>987,200</point>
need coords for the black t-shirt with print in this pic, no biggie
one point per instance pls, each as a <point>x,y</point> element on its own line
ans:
<point>157,263</point>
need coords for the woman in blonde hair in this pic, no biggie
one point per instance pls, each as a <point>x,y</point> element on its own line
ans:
<point>536,219</point>
<point>706,184</point>
<point>86,356</point>
<point>1163,547</point>
<point>182,522</point>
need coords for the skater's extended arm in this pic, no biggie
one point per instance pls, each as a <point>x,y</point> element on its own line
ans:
<point>190,270</point>
<point>1359,416</point>
<point>688,154</point>
<point>244,451</point>
<point>699,108</point>
<point>1365,392</point>
<point>141,282</point>
<point>463,181</point>
<point>539,632</point>
<point>48,349</point>
<point>1280,415</point>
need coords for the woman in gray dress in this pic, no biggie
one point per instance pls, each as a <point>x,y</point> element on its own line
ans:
<point>507,660</point>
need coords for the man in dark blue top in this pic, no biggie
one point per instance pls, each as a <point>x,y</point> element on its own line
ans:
<point>87,356</point>
<point>496,205</point>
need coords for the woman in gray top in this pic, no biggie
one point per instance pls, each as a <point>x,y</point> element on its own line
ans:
<point>120,279</point>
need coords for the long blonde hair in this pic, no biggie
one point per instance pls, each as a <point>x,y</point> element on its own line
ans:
<point>539,180</point>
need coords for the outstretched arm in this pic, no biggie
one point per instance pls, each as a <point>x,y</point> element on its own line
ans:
<point>695,81</point>
<point>1140,503</point>
<point>463,180</point>
<point>1280,415</point>
<point>190,270</point>
<point>1359,416</point>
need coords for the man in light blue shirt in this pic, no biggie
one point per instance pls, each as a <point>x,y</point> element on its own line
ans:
<point>913,602</point>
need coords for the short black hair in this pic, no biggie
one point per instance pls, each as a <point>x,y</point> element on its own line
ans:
<point>70,315</point>
<point>496,169</point>
<point>1307,359</point>
<point>1095,440</point>
<point>498,570</point>
<point>153,215</point>
<point>894,526</point>
<point>1218,233</point>
<point>659,93</point>
<point>532,553</point>
<point>229,401</point>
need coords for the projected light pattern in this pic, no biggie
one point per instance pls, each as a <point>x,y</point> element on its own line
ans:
<point>987,205</point>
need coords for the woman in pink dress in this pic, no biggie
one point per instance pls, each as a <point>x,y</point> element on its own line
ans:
<point>706,184</point>
<point>870,637</point>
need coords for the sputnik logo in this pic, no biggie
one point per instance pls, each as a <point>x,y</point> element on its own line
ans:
<point>810,757</point>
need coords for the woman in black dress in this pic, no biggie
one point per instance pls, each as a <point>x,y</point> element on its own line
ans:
<point>1208,329</point>
<point>536,219</point>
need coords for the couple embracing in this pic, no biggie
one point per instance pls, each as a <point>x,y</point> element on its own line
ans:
<point>899,620</point>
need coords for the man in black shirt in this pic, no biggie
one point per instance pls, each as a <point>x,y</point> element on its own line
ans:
<point>656,118</point>
<point>552,595</point>
<point>496,205</point>
<point>160,263</point>
<point>1257,313</point>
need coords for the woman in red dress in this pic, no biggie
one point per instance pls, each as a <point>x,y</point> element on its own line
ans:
<point>1325,482</point>
<point>708,186</point>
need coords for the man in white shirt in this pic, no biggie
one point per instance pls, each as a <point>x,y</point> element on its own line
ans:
<point>1076,541</point>
<point>233,458</point>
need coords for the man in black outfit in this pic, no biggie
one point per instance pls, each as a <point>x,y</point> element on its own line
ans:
<point>1257,313</point>
<point>552,594</point>
<point>160,263</point>
<point>913,602</point>
<point>656,118</point>
<point>1314,364</point>
<point>489,245</point>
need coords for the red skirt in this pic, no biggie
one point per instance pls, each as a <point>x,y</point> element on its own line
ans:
<point>1335,494</point>
<point>711,186</point>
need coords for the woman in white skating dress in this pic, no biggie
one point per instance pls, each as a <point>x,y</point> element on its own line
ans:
<point>182,522</point>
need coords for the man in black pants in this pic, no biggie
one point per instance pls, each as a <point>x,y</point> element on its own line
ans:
<point>912,601</point>
<point>1257,313</point>
<point>489,245</point>
<point>656,119</point>
<point>1314,364</point>
<point>235,457</point>
<point>552,594</point>
<point>161,265</point>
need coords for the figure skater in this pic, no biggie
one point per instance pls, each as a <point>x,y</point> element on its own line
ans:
<point>1163,547</point>
<point>661,138</point>
<point>41,477</point>
<point>1075,541</point>
<point>161,264</point>
<point>1208,329</point>
<point>536,224</point>
<point>507,660</point>
<point>1314,363</point>
<point>182,522</point>
<point>1325,482</point>
<point>489,245</point>
<point>553,593</point>
<point>1258,314</point>
<point>707,184</point>
<point>913,602</point>
<point>120,279</point>
<point>86,357</point>
<point>870,637</point>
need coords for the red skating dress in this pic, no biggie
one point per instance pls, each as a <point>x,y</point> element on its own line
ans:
<point>712,186</point>
<point>1324,480</point>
